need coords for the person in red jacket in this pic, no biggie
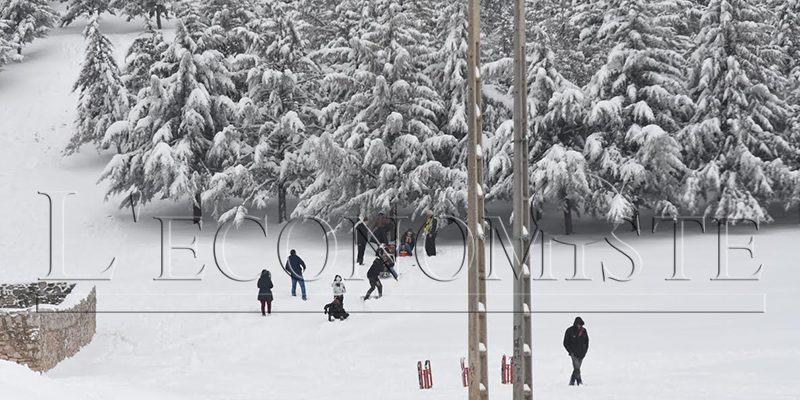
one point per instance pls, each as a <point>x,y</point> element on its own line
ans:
<point>576,341</point>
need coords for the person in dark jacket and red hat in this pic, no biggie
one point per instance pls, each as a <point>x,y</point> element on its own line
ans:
<point>265,291</point>
<point>576,341</point>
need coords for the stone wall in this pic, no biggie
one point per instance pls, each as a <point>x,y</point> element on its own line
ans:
<point>42,339</point>
<point>26,295</point>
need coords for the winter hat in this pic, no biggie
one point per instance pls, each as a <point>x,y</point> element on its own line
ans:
<point>264,272</point>
<point>578,321</point>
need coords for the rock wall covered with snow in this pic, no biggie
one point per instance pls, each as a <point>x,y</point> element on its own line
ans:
<point>41,337</point>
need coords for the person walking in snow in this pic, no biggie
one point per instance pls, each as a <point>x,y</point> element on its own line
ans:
<point>362,238</point>
<point>265,291</point>
<point>338,289</point>
<point>335,309</point>
<point>295,267</point>
<point>430,231</point>
<point>576,341</point>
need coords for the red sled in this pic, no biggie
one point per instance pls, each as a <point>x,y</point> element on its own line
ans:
<point>404,253</point>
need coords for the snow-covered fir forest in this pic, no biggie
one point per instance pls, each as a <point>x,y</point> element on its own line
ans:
<point>355,106</point>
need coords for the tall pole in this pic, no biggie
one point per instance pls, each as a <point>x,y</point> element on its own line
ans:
<point>523,368</point>
<point>478,344</point>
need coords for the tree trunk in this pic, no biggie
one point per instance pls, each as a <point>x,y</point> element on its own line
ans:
<point>568,221</point>
<point>158,17</point>
<point>281,203</point>
<point>19,50</point>
<point>197,210</point>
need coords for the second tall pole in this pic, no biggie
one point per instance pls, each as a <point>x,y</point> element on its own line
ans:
<point>523,366</point>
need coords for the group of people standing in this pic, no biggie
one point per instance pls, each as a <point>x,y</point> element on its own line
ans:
<point>381,232</point>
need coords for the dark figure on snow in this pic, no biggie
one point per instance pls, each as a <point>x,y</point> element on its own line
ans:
<point>381,229</point>
<point>407,244</point>
<point>265,291</point>
<point>295,267</point>
<point>362,238</point>
<point>381,263</point>
<point>430,230</point>
<point>576,341</point>
<point>338,289</point>
<point>335,309</point>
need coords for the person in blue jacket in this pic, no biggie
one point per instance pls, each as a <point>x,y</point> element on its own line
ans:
<point>295,267</point>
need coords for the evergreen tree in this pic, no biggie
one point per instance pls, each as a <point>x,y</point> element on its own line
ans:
<point>7,53</point>
<point>169,132</point>
<point>279,104</point>
<point>639,105</point>
<point>386,121</point>
<point>103,99</point>
<point>77,8</point>
<point>26,20</point>
<point>157,9</point>
<point>144,52</point>
<point>556,134</point>
<point>734,144</point>
<point>450,74</point>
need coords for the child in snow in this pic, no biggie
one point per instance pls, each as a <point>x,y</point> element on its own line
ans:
<point>407,244</point>
<point>338,289</point>
<point>336,310</point>
<point>265,291</point>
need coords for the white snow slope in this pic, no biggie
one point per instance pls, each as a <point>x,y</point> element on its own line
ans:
<point>297,354</point>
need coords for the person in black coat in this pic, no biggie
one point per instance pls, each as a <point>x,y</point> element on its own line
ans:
<point>430,231</point>
<point>576,341</point>
<point>295,267</point>
<point>265,291</point>
<point>335,309</point>
<point>381,262</point>
<point>362,238</point>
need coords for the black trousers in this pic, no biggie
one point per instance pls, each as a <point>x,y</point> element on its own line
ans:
<point>430,245</point>
<point>361,248</point>
<point>374,283</point>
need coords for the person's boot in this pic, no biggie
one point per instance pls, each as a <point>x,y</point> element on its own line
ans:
<point>572,381</point>
<point>579,381</point>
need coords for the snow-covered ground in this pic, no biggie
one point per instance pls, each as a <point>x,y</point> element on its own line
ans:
<point>221,348</point>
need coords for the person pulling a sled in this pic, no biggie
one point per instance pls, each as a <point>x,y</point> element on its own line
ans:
<point>265,292</point>
<point>335,309</point>
<point>338,289</point>
<point>576,341</point>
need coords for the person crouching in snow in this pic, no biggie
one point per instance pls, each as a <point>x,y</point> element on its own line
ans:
<point>338,289</point>
<point>265,291</point>
<point>335,309</point>
<point>382,261</point>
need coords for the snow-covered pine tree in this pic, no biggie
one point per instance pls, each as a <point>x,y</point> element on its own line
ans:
<point>156,9</point>
<point>169,131</point>
<point>103,98</point>
<point>557,110</point>
<point>734,144</point>
<point>386,123</point>
<point>144,52</point>
<point>26,20</point>
<point>639,103</point>
<point>787,24</point>
<point>278,106</point>
<point>77,8</point>
<point>7,51</point>
<point>449,72</point>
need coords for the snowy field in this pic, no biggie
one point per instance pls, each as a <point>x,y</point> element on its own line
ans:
<point>220,347</point>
